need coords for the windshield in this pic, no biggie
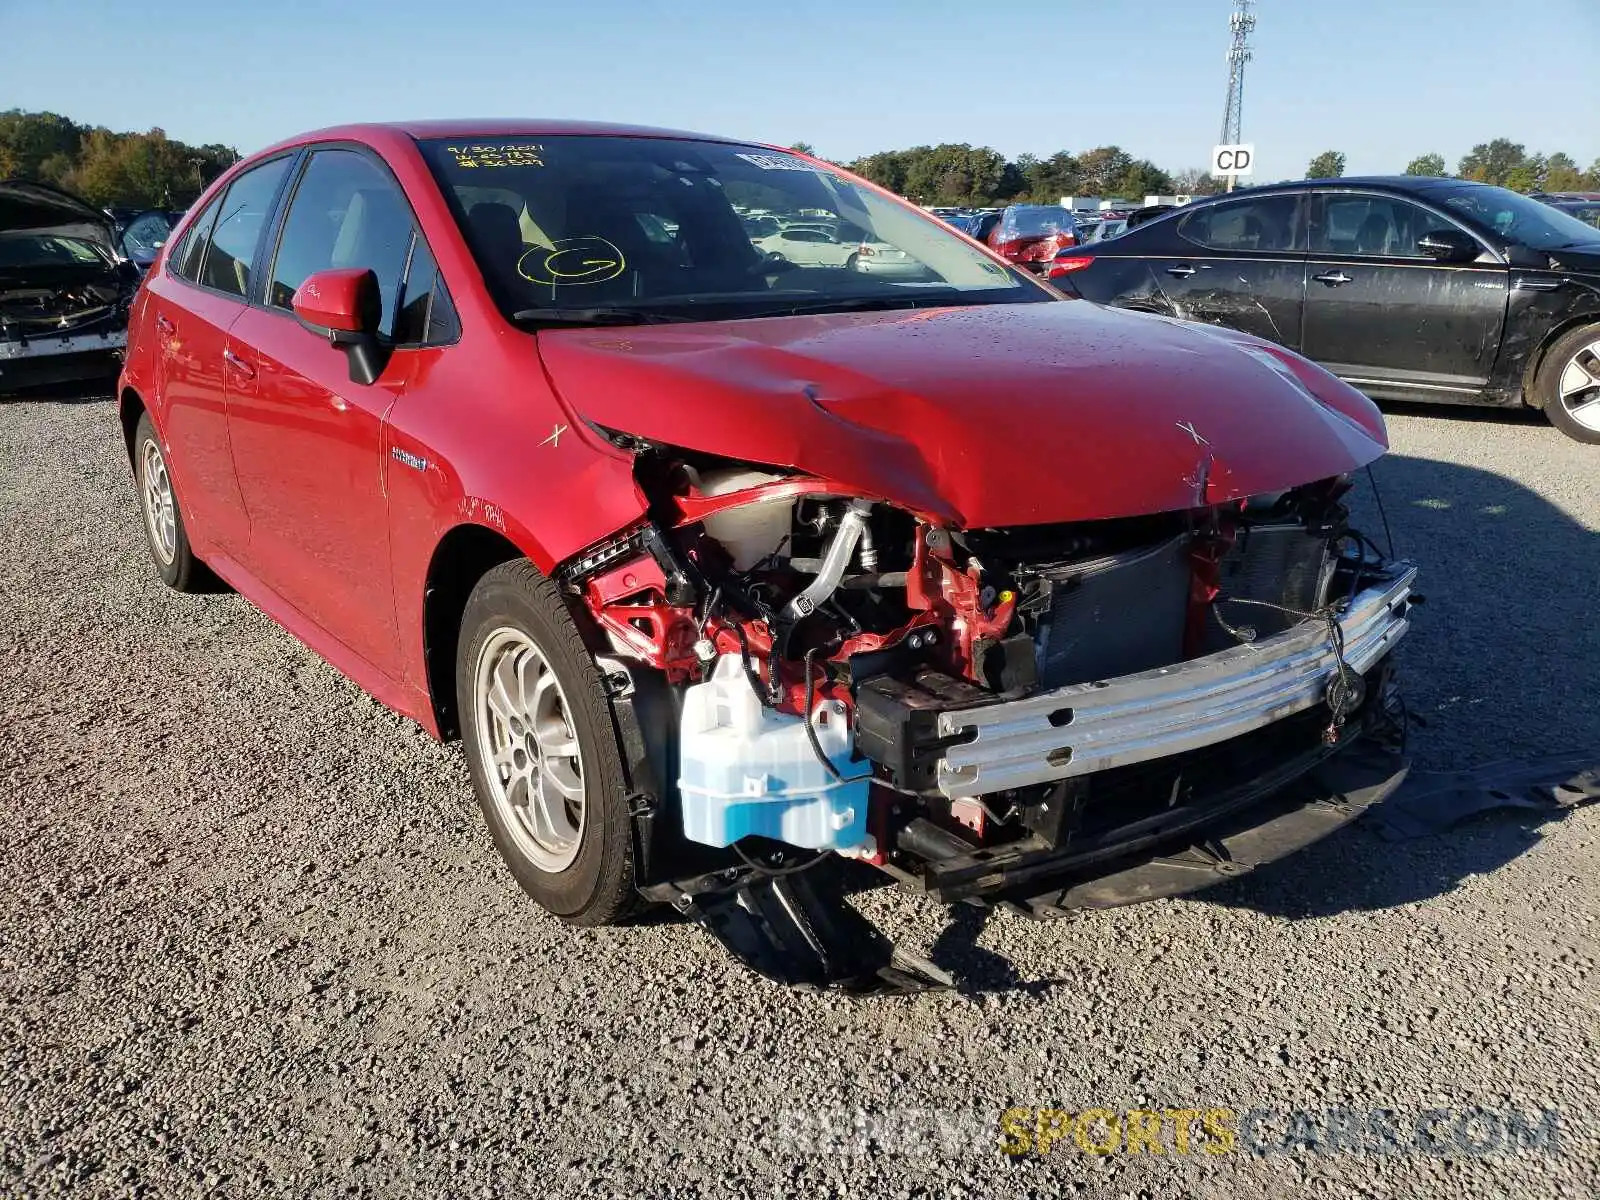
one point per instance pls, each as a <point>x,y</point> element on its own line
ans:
<point>696,230</point>
<point>1515,217</point>
<point>48,250</point>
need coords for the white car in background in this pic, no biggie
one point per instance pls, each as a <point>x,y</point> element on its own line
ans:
<point>809,246</point>
<point>888,262</point>
<point>813,245</point>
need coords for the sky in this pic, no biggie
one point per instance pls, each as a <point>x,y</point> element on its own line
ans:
<point>1381,80</point>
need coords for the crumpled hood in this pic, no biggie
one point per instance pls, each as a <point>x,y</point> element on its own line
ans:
<point>986,415</point>
<point>27,207</point>
<point>1585,258</point>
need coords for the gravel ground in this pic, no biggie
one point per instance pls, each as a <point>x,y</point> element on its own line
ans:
<point>256,941</point>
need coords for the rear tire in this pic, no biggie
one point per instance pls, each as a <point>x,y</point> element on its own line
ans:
<point>164,533</point>
<point>539,739</point>
<point>1567,385</point>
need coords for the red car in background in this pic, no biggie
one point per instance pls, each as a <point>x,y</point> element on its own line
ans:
<point>724,567</point>
<point>1030,235</point>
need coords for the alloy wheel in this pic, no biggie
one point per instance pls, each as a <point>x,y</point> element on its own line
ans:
<point>160,510</point>
<point>1580,387</point>
<point>526,738</point>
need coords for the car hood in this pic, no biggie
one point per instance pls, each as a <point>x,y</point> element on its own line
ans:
<point>1585,258</point>
<point>27,207</point>
<point>984,415</point>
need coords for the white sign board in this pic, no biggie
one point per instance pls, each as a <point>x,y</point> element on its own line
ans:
<point>1233,160</point>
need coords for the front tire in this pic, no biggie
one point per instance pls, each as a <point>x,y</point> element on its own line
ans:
<point>1567,386</point>
<point>539,740</point>
<point>164,533</point>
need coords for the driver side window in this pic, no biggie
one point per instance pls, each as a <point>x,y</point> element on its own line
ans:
<point>346,212</point>
<point>1371,226</point>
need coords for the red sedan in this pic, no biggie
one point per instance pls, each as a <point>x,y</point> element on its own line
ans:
<point>723,566</point>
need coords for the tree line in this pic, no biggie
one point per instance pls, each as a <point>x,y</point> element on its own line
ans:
<point>1502,162</point>
<point>151,170</point>
<point>961,175</point>
<point>979,176</point>
<point>132,170</point>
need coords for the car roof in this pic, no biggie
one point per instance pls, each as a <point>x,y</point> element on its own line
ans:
<point>491,127</point>
<point>1398,183</point>
<point>1413,184</point>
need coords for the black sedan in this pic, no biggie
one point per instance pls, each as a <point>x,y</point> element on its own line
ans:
<point>1409,288</point>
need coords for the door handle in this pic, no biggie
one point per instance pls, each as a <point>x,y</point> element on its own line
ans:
<point>1181,271</point>
<point>238,364</point>
<point>1332,278</point>
<point>163,325</point>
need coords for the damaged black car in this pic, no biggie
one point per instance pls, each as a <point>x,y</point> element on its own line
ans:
<point>64,290</point>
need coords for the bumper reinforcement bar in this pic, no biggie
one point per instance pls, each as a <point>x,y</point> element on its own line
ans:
<point>1090,727</point>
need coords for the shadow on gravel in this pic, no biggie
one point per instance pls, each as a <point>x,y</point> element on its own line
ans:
<point>976,969</point>
<point>1468,413</point>
<point>89,391</point>
<point>1500,665</point>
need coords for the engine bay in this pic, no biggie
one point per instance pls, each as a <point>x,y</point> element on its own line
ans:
<point>817,645</point>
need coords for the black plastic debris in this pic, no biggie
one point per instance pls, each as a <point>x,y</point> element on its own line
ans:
<point>783,927</point>
<point>1431,802</point>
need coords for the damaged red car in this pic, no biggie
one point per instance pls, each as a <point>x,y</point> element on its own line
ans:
<point>726,569</point>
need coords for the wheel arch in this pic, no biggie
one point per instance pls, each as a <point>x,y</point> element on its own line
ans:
<point>464,555</point>
<point>1530,373</point>
<point>130,407</point>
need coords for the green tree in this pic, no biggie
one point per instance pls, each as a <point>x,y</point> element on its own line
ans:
<point>887,169</point>
<point>1196,181</point>
<point>132,169</point>
<point>1100,169</point>
<point>1426,164</point>
<point>802,148</point>
<point>1142,178</point>
<point>1327,165</point>
<point>1561,174</point>
<point>1492,162</point>
<point>1046,180</point>
<point>1528,175</point>
<point>33,139</point>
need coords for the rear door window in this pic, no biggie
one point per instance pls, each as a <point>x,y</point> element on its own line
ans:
<point>241,221</point>
<point>1260,223</point>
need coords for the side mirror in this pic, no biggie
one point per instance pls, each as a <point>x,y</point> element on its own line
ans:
<point>345,306</point>
<point>1449,245</point>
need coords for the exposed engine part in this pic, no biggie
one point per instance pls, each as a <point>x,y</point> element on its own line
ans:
<point>749,532</point>
<point>749,770</point>
<point>841,550</point>
<point>851,678</point>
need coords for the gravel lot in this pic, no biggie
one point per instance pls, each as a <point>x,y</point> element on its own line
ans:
<point>256,941</point>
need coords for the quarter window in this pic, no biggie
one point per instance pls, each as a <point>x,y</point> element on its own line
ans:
<point>240,222</point>
<point>1262,223</point>
<point>1376,226</point>
<point>187,257</point>
<point>346,212</point>
<point>426,317</point>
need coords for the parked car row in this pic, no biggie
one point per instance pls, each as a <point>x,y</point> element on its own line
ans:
<point>1583,205</point>
<point>1409,288</point>
<point>722,565</point>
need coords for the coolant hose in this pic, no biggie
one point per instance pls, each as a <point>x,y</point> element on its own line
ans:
<point>834,563</point>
